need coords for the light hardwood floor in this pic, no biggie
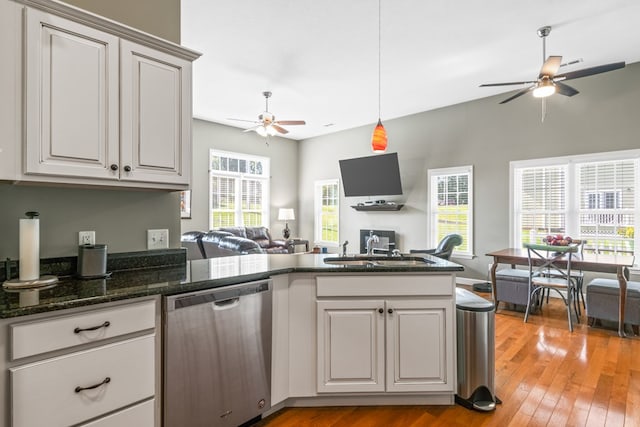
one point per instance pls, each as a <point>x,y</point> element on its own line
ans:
<point>545,376</point>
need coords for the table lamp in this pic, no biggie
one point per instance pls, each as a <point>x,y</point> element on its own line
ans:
<point>286,214</point>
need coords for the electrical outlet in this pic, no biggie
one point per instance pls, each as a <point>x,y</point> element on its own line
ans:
<point>158,239</point>
<point>86,238</point>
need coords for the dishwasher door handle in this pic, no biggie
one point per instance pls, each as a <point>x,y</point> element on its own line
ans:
<point>226,304</point>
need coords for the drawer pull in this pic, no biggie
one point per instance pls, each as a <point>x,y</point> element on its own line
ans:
<point>104,325</point>
<point>105,381</point>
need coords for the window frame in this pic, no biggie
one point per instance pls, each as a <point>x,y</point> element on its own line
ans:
<point>572,190</point>
<point>239,177</point>
<point>432,232</point>
<point>317,211</point>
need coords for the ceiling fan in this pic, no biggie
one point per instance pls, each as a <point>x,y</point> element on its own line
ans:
<point>548,81</point>
<point>267,125</point>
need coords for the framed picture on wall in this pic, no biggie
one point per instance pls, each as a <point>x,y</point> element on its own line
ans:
<point>185,204</point>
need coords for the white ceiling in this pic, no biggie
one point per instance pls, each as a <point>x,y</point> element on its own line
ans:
<point>320,58</point>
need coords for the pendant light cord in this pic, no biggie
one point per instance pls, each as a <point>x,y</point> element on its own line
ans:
<point>379,54</point>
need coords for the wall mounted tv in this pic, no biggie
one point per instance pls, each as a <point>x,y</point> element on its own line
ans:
<point>377,175</point>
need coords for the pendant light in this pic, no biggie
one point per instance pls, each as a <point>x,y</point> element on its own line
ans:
<point>379,137</point>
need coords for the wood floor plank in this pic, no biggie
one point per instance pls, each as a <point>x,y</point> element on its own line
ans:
<point>545,375</point>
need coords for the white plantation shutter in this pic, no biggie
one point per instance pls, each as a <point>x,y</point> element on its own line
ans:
<point>451,206</point>
<point>238,190</point>
<point>252,205</point>
<point>540,202</point>
<point>327,212</point>
<point>607,205</point>
<point>591,197</point>
<point>222,201</point>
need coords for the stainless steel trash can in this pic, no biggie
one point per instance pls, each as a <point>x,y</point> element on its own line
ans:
<point>475,320</point>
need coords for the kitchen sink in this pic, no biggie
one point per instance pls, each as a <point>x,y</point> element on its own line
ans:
<point>378,261</point>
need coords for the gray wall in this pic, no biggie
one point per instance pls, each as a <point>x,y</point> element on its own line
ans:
<point>482,133</point>
<point>284,170</point>
<point>120,218</point>
<point>158,17</point>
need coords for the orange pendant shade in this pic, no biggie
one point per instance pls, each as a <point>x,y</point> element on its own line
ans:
<point>379,139</point>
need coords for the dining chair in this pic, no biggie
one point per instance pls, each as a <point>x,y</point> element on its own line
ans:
<point>578,277</point>
<point>550,269</point>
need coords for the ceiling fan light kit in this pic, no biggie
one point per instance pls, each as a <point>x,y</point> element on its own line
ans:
<point>267,125</point>
<point>545,88</point>
<point>379,137</point>
<point>548,81</point>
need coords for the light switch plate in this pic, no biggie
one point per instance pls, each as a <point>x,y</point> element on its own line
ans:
<point>158,239</point>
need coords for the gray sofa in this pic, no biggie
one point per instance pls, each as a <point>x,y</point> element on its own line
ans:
<point>227,241</point>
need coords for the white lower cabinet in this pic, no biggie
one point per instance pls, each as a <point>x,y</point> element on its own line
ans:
<point>95,366</point>
<point>386,343</point>
<point>86,384</point>
<point>137,415</point>
<point>361,340</point>
<point>350,346</point>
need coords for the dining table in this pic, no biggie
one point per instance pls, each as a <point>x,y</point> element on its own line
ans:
<point>617,264</point>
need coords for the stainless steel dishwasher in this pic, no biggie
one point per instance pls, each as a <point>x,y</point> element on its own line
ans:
<point>217,356</point>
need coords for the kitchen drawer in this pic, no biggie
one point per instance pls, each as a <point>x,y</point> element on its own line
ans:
<point>383,285</point>
<point>46,393</point>
<point>41,336</point>
<point>140,415</point>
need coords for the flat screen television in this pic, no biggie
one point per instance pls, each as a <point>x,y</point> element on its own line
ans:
<point>377,175</point>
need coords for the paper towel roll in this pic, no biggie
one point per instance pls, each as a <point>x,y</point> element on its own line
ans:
<point>29,249</point>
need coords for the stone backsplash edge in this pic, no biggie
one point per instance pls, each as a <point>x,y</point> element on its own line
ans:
<point>67,266</point>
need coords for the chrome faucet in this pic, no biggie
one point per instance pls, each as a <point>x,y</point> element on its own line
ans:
<point>373,238</point>
<point>344,248</point>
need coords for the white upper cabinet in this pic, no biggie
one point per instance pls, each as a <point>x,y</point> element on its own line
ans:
<point>105,105</point>
<point>156,90</point>
<point>71,98</point>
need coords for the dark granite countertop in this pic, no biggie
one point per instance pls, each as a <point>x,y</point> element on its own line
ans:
<point>182,277</point>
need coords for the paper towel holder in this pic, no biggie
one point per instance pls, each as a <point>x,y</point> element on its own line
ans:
<point>41,282</point>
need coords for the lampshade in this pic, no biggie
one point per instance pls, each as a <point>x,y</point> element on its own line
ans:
<point>286,214</point>
<point>379,138</point>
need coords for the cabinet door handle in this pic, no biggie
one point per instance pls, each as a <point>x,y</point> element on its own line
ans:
<point>114,167</point>
<point>127,168</point>
<point>390,311</point>
<point>380,311</point>
<point>105,381</point>
<point>93,328</point>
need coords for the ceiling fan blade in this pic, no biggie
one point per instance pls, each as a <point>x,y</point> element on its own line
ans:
<point>505,84</point>
<point>251,128</point>
<point>590,71</point>
<point>290,122</point>
<point>550,66</point>
<point>242,120</point>
<point>565,90</point>
<point>279,128</point>
<point>518,94</point>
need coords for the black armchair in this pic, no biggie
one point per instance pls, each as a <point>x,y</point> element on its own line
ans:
<point>445,247</point>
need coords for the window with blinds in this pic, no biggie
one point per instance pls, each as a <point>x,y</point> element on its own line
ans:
<point>540,202</point>
<point>607,205</point>
<point>327,212</point>
<point>589,197</point>
<point>451,206</point>
<point>239,186</point>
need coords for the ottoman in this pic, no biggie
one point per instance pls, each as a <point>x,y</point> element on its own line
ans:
<point>602,301</point>
<point>512,286</point>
